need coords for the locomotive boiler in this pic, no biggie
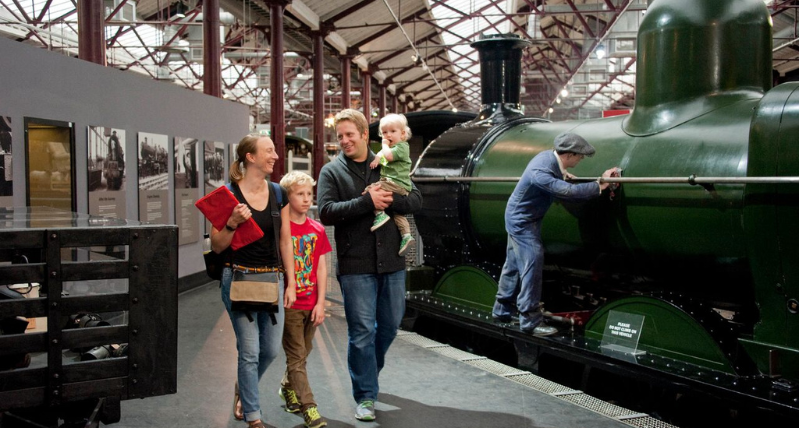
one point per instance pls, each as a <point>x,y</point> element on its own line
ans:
<point>700,241</point>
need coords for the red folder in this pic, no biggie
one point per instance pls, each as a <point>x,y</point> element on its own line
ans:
<point>217,206</point>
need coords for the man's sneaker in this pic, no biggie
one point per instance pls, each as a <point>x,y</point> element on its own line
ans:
<point>313,419</point>
<point>406,244</point>
<point>365,411</point>
<point>380,220</point>
<point>290,398</point>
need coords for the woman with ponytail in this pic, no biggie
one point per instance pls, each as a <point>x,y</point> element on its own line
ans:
<point>258,335</point>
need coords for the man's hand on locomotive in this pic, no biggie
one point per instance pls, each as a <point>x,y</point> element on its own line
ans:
<point>613,172</point>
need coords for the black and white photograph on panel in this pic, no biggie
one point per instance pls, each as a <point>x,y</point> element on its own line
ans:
<point>106,171</point>
<point>214,164</point>
<point>153,178</point>
<point>187,189</point>
<point>213,169</point>
<point>187,162</point>
<point>6,176</point>
<point>233,154</point>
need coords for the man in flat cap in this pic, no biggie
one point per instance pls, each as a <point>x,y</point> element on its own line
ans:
<point>541,183</point>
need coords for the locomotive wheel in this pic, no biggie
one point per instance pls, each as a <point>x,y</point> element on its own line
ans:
<point>668,331</point>
<point>468,286</point>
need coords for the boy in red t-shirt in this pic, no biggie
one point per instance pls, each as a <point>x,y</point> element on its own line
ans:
<point>310,266</point>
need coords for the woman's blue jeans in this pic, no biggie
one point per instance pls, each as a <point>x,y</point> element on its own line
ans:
<point>374,305</point>
<point>258,341</point>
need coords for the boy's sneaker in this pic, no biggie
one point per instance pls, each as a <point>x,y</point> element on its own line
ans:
<point>290,398</point>
<point>406,244</point>
<point>380,220</point>
<point>313,419</point>
<point>365,411</point>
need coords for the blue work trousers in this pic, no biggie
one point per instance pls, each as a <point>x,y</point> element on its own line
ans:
<point>521,280</point>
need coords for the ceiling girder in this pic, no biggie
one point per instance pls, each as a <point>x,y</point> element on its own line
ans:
<point>572,27</point>
<point>358,5</point>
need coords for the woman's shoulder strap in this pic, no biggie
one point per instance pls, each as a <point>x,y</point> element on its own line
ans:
<point>278,192</point>
<point>234,189</point>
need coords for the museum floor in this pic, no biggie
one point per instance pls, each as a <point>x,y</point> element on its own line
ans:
<point>419,387</point>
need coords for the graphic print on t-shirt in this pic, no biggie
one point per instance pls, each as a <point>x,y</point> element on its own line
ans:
<point>303,262</point>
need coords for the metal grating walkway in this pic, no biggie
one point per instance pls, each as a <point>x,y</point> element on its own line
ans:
<point>537,383</point>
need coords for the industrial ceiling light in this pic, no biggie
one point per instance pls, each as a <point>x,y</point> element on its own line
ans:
<point>330,120</point>
<point>600,51</point>
<point>179,11</point>
<point>564,93</point>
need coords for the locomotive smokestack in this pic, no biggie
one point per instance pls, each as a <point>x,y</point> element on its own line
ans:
<point>500,75</point>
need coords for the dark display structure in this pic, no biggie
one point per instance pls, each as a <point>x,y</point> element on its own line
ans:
<point>101,345</point>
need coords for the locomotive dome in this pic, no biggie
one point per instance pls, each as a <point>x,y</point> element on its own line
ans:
<point>695,57</point>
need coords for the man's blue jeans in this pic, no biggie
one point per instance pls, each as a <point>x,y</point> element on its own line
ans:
<point>258,342</point>
<point>520,282</point>
<point>374,305</point>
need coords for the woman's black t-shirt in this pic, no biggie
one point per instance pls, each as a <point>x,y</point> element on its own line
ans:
<point>261,253</point>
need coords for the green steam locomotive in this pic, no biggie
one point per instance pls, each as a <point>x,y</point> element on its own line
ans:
<point>698,245</point>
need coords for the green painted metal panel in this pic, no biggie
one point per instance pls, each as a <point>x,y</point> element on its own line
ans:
<point>678,219</point>
<point>787,358</point>
<point>467,286</point>
<point>667,331</point>
<point>770,216</point>
<point>788,221</point>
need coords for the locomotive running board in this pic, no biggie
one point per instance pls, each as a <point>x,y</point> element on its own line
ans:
<point>674,375</point>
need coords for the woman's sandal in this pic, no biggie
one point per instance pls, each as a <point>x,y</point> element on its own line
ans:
<point>238,411</point>
<point>259,424</point>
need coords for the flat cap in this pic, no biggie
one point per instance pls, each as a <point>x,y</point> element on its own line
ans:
<point>573,143</point>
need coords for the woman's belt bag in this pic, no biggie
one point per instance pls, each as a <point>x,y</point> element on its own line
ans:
<point>254,296</point>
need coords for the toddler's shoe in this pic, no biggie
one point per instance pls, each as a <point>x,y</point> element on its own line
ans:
<point>406,244</point>
<point>380,220</point>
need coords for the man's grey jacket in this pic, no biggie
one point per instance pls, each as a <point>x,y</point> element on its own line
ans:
<point>341,204</point>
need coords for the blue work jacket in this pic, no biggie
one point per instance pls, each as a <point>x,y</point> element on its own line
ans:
<point>541,183</point>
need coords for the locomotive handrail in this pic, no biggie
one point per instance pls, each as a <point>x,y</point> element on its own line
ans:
<point>454,178</point>
<point>692,180</point>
